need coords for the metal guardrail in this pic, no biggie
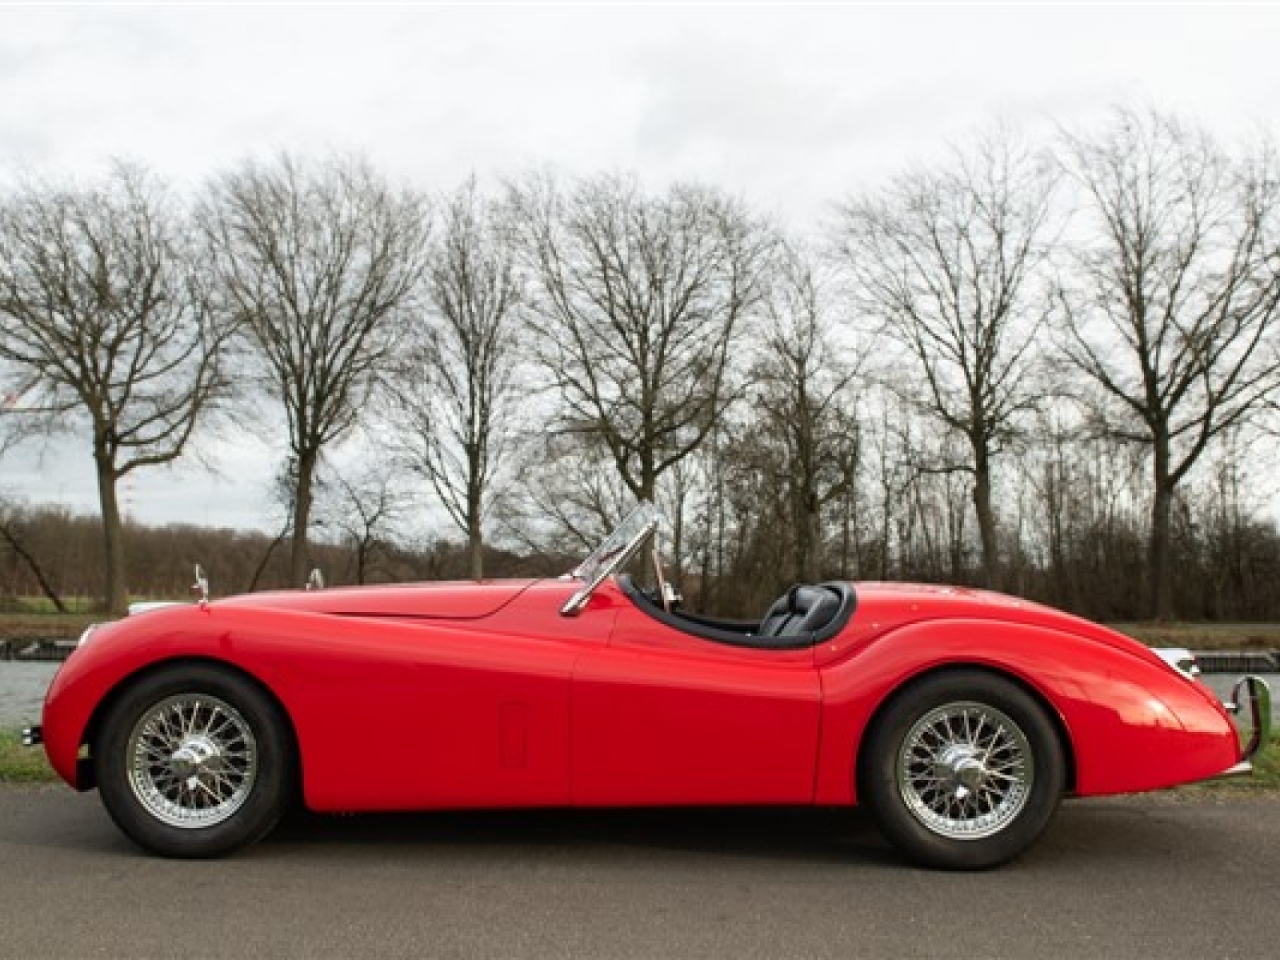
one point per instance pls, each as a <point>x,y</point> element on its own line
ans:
<point>1238,661</point>
<point>36,651</point>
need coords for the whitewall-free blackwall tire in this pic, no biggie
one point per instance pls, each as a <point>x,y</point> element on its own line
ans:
<point>194,760</point>
<point>962,770</point>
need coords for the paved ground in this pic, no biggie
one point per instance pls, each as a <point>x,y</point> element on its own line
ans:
<point>1161,878</point>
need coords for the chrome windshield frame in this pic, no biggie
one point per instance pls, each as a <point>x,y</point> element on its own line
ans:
<point>616,549</point>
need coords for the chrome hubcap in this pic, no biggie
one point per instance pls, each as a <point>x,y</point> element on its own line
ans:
<point>193,760</point>
<point>965,770</point>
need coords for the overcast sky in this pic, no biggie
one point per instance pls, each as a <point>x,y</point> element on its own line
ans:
<point>789,106</point>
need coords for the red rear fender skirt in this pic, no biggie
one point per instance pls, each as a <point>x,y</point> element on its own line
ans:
<point>1132,724</point>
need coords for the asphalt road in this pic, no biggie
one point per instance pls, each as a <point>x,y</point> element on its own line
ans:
<point>1160,877</point>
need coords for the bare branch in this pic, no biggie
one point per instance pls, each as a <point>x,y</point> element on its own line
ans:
<point>319,266</point>
<point>638,303</point>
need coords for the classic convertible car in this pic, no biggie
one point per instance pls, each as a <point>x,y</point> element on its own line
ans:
<point>959,717</point>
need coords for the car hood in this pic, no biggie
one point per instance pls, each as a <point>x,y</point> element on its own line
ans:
<point>454,600</point>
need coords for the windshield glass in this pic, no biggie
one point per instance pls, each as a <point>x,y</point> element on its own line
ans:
<point>619,545</point>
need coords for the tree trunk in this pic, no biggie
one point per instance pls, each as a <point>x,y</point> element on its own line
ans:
<point>677,543</point>
<point>115,596</point>
<point>808,538</point>
<point>475,546</point>
<point>298,557</point>
<point>846,521</point>
<point>1160,570</point>
<point>986,520</point>
<point>363,549</point>
<point>1058,557</point>
<point>648,479</point>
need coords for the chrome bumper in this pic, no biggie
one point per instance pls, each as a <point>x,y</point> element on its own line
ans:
<point>1255,692</point>
<point>32,736</point>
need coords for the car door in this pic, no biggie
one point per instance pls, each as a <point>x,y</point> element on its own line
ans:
<point>663,717</point>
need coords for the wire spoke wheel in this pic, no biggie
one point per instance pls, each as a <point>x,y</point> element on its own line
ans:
<point>965,770</point>
<point>192,760</point>
<point>195,760</point>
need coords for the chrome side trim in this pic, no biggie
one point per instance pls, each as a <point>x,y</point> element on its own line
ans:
<point>88,633</point>
<point>143,606</point>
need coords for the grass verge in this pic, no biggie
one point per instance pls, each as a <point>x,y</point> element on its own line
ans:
<point>1265,779</point>
<point>46,626</point>
<point>1204,636</point>
<point>19,764</point>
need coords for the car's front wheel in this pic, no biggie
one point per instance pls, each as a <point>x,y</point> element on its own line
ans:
<point>963,770</point>
<point>194,761</point>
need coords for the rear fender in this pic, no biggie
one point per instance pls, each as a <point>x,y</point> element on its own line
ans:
<point>1132,723</point>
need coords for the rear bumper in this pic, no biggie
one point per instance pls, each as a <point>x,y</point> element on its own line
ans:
<point>1251,698</point>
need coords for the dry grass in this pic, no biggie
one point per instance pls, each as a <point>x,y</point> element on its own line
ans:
<point>46,626</point>
<point>1265,779</point>
<point>1205,636</point>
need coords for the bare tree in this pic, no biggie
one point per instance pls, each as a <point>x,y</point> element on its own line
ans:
<point>14,428</point>
<point>319,264</point>
<point>638,304</point>
<point>949,260</point>
<point>362,509</point>
<point>14,536</point>
<point>456,400</point>
<point>571,497</point>
<point>801,383</point>
<point>104,314</point>
<point>1172,314</point>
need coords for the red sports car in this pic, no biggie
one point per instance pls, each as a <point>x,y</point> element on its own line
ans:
<point>959,717</point>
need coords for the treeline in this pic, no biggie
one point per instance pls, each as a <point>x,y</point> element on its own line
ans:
<point>54,555</point>
<point>1047,368</point>
<point>1228,563</point>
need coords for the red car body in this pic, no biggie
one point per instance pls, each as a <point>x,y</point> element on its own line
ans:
<point>484,695</point>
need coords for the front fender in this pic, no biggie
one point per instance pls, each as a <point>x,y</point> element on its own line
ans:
<point>1132,723</point>
<point>124,649</point>
<point>387,714</point>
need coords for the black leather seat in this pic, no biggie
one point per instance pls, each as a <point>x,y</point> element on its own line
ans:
<point>803,616</point>
<point>801,610</point>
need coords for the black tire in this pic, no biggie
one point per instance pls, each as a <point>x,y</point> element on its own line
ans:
<point>246,752</point>
<point>956,798</point>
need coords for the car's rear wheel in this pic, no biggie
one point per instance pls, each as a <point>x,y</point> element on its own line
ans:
<point>194,761</point>
<point>963,770</point>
